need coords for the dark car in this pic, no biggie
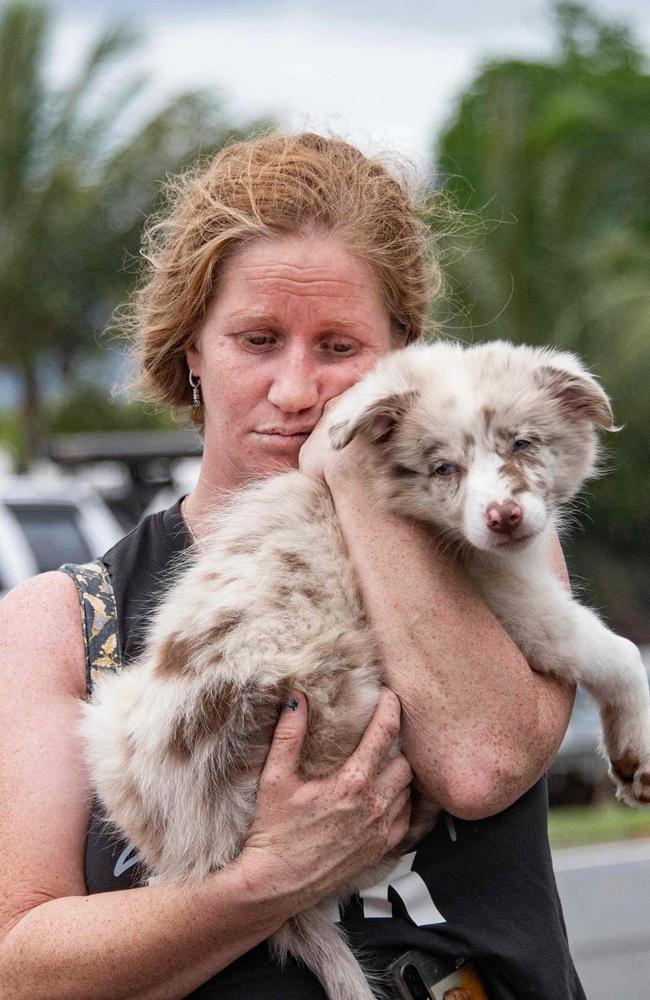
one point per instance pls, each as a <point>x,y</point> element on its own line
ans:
<point>46,521</point>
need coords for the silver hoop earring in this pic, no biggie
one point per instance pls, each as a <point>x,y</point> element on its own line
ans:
<point>195,382</point>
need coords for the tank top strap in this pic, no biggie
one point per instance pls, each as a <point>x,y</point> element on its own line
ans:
<point>99,620</point>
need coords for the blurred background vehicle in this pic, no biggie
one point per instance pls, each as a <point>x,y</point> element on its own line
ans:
<point>183,477</point>
<point>48,520</point>
<point>136,471</point>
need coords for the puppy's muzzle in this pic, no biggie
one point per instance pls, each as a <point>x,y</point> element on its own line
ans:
<point>503,518</point>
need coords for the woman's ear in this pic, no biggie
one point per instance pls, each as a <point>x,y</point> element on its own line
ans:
<point>193,358</point>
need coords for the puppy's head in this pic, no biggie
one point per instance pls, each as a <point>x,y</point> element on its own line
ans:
<point>483,442</point>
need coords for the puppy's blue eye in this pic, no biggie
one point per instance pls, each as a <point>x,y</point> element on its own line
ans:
<point>520,444</point>
<point>445,469</point>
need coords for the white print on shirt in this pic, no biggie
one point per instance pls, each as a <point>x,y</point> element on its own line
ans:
<point>412,890</point>
<point>409,886</point>
<point>124,862</point>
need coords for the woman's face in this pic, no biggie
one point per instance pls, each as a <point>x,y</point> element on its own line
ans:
<point>296,321</point>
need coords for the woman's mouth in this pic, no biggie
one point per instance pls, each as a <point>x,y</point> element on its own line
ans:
<point>277,438</point>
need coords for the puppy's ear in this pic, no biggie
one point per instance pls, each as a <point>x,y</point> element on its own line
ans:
<point>376,420</point>
<point>578,394</point>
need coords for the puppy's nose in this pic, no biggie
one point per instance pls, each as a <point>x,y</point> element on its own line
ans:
<point>503,518</point>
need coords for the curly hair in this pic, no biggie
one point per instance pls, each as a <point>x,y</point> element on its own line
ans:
<point>274,184</point>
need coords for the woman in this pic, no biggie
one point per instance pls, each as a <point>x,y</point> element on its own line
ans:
<point>282,272</point>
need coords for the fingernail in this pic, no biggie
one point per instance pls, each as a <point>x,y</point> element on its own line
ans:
<point>292,703</point>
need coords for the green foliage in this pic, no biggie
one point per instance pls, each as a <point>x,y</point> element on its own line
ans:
<point>84,409</point>
<point>12,438</point>
<point>87,409</point>
<point>572,826</point>
<point>551,161</point>
<point>77,177</point>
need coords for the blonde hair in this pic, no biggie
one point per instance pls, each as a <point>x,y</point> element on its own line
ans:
<point>275,184</point>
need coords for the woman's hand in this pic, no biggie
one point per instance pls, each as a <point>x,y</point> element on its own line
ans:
<point>317,457</point>
<point>309,838</point>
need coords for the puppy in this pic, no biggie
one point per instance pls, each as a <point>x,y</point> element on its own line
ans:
<point>486,443</point>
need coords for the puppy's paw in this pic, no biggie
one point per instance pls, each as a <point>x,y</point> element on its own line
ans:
<point>631,774</point>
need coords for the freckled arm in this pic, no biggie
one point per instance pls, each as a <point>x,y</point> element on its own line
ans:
<point>479,726</point>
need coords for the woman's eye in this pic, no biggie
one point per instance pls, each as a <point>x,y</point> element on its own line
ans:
<point>339,346</point>
<point>520,444</point>
<point>446,469</point>
<point>259,339</point>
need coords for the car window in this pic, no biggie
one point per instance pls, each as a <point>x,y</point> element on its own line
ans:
<point>52,533</point>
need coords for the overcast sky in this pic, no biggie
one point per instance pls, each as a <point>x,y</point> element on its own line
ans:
<point>383,72</point>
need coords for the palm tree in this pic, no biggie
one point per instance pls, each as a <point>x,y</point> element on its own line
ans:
<point>76,180</point>
<point>553,157</point>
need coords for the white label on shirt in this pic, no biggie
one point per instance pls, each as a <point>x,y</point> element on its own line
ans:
<point>412,890</point>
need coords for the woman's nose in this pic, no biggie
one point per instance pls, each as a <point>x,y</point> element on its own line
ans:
<point>295,386</point>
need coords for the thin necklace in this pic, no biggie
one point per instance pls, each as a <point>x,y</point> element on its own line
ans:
<point>185,519</point>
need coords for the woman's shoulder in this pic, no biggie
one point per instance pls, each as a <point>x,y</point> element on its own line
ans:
<point>41,638</point>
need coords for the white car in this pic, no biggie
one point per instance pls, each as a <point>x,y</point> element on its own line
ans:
<point>46,521</point>
<point>184,477</point>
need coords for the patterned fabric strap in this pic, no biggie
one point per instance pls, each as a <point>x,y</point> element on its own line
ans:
<point>98,618</point>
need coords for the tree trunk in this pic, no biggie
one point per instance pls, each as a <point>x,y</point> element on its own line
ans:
<point>32,416</point>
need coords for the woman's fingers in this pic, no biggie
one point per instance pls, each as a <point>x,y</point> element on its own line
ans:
<point>394,784</point>
<point>399,819</point>
<point>290,730</point>
<point>396,776</point>
<point>400,808</point>
<point>316,454</point>
<point>380,734</point>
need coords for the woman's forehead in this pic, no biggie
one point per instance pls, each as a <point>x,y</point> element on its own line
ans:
<point>305,260</point>
<point>312,274</point>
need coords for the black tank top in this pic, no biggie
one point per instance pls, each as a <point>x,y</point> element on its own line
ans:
<point>483,889</point>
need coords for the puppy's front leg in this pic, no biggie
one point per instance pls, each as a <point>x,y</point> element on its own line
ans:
<point>611,668</point>
<point>559,635</point>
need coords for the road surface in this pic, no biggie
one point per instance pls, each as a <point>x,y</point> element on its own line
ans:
<point>605,891</point>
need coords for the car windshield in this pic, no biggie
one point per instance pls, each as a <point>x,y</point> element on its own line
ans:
<point>52,533</point>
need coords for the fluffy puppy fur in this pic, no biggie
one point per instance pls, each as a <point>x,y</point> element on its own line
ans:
<point>485,443</point>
